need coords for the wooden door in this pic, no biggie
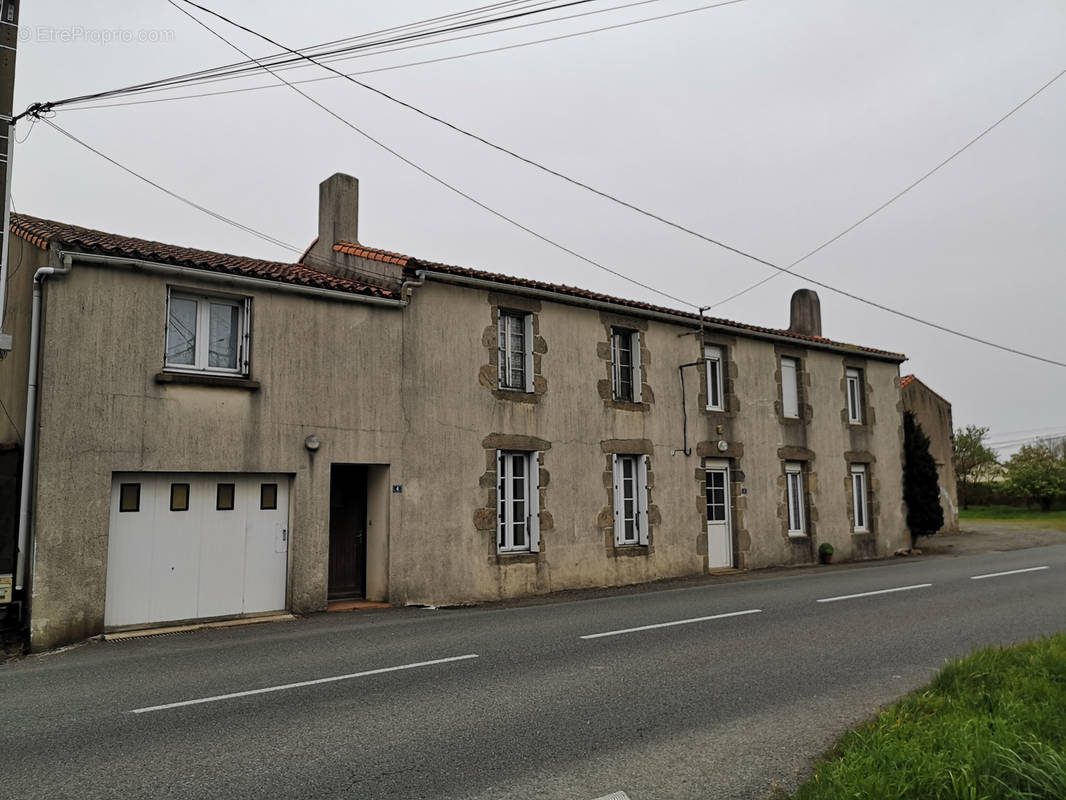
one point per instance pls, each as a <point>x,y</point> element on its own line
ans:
<point>347,532</point>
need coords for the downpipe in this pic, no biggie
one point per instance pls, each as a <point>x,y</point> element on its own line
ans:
<point>30,437</point>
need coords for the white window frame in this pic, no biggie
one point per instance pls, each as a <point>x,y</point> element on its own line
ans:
<point>203,333</point>
<point>860,508</point>
<point>713,361</point>
<point>528,522</point>
<point>790,370</point>
<point>632,338</point>
<point>636,490</point>
<point>795,507</point>
<point>511,322</point>
<point>853,379</point>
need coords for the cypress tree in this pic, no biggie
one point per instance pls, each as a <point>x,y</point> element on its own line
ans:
<point>921,489</point>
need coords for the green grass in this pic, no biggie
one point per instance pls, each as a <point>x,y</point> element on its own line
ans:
<point>1029,517</point>
<point>989,727</point>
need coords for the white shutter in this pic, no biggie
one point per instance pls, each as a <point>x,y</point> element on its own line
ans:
<point>634,344</point>
<point>246,337</point>
<point>534,501</point>
<point>616,368</point>
<point>501,349</point>
<point>619,524</point>
<point>642,500</point>
<point>527,321</point>
<point>789,388</point>
<point>500,507</point>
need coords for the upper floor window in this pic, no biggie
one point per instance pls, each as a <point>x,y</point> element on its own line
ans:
<point>794,498</point>
<point>790,387</point>
<point>712,357</point>
<point>515,342</point>
<point>518,500</point>
<point>858,498</point>
<point>207,333</point>
<point>630,499</point>
<point>854,383</point>
<point>625,365</point>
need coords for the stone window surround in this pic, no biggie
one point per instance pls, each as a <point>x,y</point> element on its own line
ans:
<point>605,519</point>
<point>803,383</point>
<point>605,387</point>
<point>865,390</point>
<point>488,375</point>
<point>873,504</point>
<point>485,518</point>
<point>730,401</point>
<point>810,492</point>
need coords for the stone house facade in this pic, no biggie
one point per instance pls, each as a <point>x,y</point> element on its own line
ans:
<point>218,436</point>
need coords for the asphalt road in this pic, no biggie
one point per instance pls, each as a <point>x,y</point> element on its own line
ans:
<point>721,707</point>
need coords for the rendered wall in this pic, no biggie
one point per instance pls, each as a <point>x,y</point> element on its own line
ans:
<point>933,413</point>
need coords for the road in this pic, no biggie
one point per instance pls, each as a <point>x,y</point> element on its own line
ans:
<point>522,702</point>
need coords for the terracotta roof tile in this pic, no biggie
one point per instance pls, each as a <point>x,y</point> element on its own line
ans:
<point>371,253</point>
<point>906,381</point>
<point>573,291</point>
<point>41,232</point>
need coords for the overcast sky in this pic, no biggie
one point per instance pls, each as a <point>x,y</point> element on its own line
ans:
<point>769,124</point>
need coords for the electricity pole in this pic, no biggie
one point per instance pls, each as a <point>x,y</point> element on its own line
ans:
<point>9,39</point>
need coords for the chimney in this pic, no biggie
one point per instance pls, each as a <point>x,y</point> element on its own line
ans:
<point>806,313</point>
<point>338,216</point>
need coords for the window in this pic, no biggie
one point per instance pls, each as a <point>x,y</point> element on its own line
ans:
<point>224,496</point>
<point>712,357</point>
<point>716,499</point>
<point>625,365</point>
<point>515,342</point>
<point>179,497</point>
<point>518,501</point>
<point>858,498</point>
<point>129,497</point>
<point>268,496</point>
<point>207,334</point>
<point>790,387</point>
<point>630,500</point>
<point>854,383</point>
<point>794,498</point>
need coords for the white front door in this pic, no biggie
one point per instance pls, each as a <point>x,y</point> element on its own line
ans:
<point>719,534</point>
<point>185,546</point>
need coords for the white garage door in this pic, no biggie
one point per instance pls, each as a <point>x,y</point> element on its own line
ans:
<point>193,545</point>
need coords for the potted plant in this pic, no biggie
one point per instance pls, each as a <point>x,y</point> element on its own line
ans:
<point>825,553</point>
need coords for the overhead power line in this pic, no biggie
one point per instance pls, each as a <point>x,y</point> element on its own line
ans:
<point>605,195</point>
<point>896,196</point>
<point>439,180</point>
<point>263,63</point>
<point>423,62</point>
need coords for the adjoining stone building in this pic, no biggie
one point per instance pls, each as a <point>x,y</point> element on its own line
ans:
<point>933,413</point>
<point>218,435</point>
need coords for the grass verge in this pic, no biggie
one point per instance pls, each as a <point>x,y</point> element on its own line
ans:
<point>1029,518</point>
<point>989,727</point>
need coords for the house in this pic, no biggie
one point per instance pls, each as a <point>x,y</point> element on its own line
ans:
<point>216,435</point>
<point>933,413</point>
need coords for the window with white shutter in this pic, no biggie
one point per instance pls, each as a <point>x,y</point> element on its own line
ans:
<point>625,365</point>
<point>794,499</point>
<point>518,506</point>
<point>858,499</point>
<point>855,391</point>
<point>712,358</point>
<point>790,387</point>
<point>630,499</point>
<point>515,351</point>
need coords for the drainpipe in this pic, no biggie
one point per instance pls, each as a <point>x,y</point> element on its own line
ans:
<point>30,437</point>
<point>684,412</point>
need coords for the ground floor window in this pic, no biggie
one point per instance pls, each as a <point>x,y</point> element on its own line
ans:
<point>630,499</point>
<point>794,498</point>
<point>518,501</point>
<point>858,498</point>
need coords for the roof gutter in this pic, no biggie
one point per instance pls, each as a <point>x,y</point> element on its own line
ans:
<point>244,281</point>
<point>603,305</point>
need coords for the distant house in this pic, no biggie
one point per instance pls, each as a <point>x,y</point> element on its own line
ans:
<point>219,436</point>
<point>933,413</point>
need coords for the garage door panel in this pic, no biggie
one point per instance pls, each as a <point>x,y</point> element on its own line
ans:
<point>222,549</point>
<point>129,553</point>
<point>266,545</point>
<point>176,555</point>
